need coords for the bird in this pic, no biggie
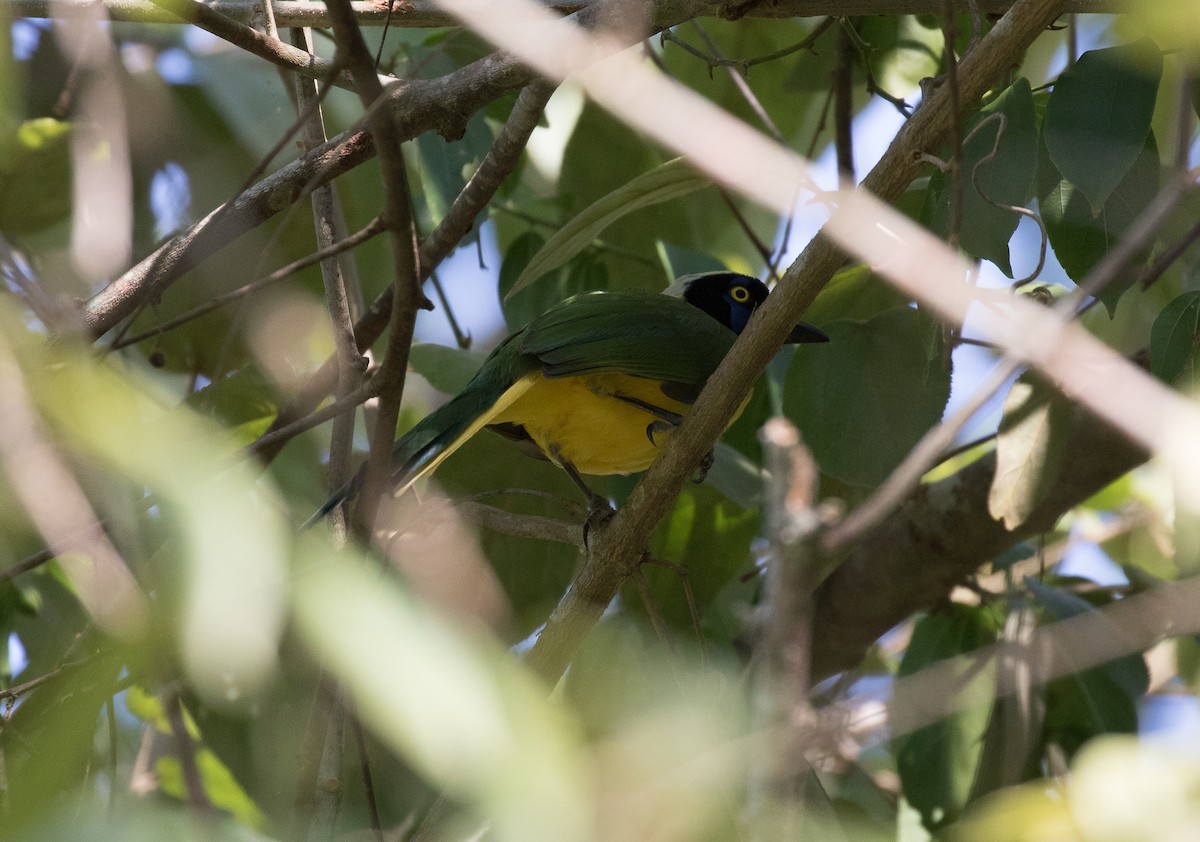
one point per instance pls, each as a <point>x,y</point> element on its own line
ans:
<point>595,384</point>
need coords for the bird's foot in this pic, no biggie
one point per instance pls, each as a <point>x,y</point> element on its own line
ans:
<point>600,512</point>
<point>703,468</point>
<point>658,427</point>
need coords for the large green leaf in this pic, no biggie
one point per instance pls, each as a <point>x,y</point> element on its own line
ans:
<point>1099,117</point>
<point>853,293</point>
<point>1095,701</point>
<point>937,764</point>
<point>1082,238</point>
<point>710,537</point>
<point>1029,448</point>
<point>35,176</point>
<point>671,180</point>
<point>680,260</point>
<point>447,369</point>
<point>1174,336</point>
<point>863,400</point>
<point>520,308</point>
<point>444,167</point>
<point>216,780</point>
<point>1001,156</point>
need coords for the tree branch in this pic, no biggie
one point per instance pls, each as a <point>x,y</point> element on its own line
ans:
<point>942,533</point>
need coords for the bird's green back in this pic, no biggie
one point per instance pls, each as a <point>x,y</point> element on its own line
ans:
<point>642,334</point>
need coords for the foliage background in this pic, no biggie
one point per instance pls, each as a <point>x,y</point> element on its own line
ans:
<point>182,661</point>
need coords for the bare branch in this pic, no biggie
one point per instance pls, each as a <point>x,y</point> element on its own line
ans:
<point>407,297</point>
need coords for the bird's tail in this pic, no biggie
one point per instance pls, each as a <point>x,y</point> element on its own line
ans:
<point>436,436</point>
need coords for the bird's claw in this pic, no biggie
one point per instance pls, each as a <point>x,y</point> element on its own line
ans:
<point>703,468</point>
<point>658,427</point>
<point>600,512</point>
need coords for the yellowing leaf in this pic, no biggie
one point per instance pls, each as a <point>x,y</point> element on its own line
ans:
<point>1028,450</point>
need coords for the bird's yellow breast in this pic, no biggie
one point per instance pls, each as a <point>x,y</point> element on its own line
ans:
<point>584,421</point>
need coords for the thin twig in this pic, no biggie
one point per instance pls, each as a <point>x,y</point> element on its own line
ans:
<point>525,526</point>
<point>31,562</point>
<point>1168,256</point>
<point>110,720</point>
<point>873,87</point>
<point>185,750</point>
<point>1000,118</point>
<point>273,439</point>
<point>652,612</point>
<point>461,338</point>
<point>311,751</point>
<point>350,364</point>
<point>842,91</point>
<point>330,788</point>
<point>18,690</point>
<point>949,37</point>
<point>371,229</point>
<point>739,79</point>
<point>744,64</point>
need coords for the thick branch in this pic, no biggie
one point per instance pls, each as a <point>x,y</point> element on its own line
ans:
<point>942,533</point>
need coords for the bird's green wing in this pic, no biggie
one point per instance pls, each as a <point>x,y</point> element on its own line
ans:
<point>639,333</point>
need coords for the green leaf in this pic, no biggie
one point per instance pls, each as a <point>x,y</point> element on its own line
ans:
<point>853,293</point>
<point>1005,177</point>
<point>519,310</point>
<point>937,764</point>
<point>736,476</point>
<point>444,166</point>
<point>1096,701</point>
<point>1099,117</point>
<point>710,536</point>
<point>219,784</point>
<point>584,275</point>
<point>242,397</point>
<point>863,400</point>
<point>667,181</point>
<point>1029,449</point>
<point>1174,335</point>
<point>1081,238</point>
<point>447,369</point>
<point>679,261</point>
<point>35,182</point>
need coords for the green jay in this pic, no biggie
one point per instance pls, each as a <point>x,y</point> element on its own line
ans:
<point>595,384</point>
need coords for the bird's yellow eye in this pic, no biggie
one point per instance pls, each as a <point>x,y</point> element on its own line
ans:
<point>739,294</point>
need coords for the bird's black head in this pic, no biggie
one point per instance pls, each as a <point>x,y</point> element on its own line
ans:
<point>730,298</point>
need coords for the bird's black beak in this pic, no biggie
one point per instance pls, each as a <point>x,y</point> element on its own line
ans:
<point>806,333</point>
